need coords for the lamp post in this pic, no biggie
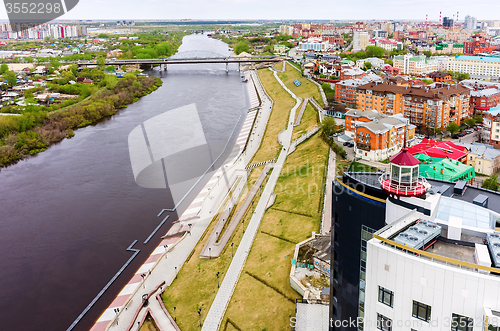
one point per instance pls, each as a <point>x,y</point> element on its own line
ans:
<point>175,315</point>
<point>210,252</point>
<point>190,228</point>
<point>232,250</point>
<point>175,272</point>
<point>218,286</point>
<point>199,314</point>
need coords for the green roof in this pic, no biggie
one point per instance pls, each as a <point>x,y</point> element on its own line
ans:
<point>446,169</point>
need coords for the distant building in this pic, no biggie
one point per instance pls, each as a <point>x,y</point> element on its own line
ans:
<point>476,66</point>
<point>315,44</point>
<point>478,45</point>
<point>447,22</point>
<point>470,23</point>
<point>360,40</point>
<point>375,62</point>
<point>415,65</point>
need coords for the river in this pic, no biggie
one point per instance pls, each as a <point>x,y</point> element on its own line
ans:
<point>68,214</point>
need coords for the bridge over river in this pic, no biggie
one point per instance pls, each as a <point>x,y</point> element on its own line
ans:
<point>186,60</point>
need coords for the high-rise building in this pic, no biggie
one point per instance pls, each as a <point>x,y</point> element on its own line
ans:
<point>470,23</point>
<point>447,22</point>
<point>360,40</point>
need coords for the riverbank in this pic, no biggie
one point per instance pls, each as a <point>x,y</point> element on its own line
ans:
<point>33,132</point>
<point>178,245</point>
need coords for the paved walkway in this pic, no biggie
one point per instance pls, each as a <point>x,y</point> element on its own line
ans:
<point>221,301</point>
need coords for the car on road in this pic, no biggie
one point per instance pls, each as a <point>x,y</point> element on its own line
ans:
<point>348,144</point>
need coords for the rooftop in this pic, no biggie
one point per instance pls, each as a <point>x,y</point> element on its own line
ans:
<point>430,93</point>
<point>477,58</point>
<point>464,253</point>
<point>483,151</point>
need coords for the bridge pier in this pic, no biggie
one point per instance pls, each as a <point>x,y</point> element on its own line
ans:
<point>227,67</point>
<point>165,67</point>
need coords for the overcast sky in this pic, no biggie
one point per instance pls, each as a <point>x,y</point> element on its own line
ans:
<point>283,9</point>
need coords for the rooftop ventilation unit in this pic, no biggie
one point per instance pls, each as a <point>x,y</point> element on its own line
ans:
<point>493,242</point>
<point>460,187</point>
<point>481,200</point>
<point>419,235</point>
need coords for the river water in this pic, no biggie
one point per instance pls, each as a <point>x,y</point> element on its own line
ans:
<point>68,214</point>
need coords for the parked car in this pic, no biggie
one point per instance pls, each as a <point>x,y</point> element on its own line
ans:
<point>348,144</point>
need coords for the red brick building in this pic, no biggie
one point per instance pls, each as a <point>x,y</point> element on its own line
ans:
<point>477,45</point>
<point>483,99</point>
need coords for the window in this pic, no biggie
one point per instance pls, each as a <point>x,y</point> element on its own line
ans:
<point>461,323</point>
<point>384,323</point>
<point>421,311</point>
<point>385,296</point>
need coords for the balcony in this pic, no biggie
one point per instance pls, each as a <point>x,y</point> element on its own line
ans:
<point>363,146</point>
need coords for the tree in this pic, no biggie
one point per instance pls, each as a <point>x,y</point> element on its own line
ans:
<point>427,53</point>
<point>470,122</point>
<point>3,68</point>
<point>478,118</point>
<point>374,51</point>
<point>491,183</point>
<point>452,128</point>
<point>368,65</point>
<point>328,126</point>
<point>10,77</point>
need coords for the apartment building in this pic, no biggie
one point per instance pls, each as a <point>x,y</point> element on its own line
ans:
<point>346,90</point>
<point>426,107</point>
<point>360,40</point>
<point>415,65</point>
<point>377,136</point>
<point>483,67</point>
<point>316,44</point>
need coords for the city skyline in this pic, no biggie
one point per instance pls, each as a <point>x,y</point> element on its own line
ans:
<point>274,10</point>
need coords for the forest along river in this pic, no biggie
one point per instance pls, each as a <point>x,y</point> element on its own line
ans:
<point>68,214</point>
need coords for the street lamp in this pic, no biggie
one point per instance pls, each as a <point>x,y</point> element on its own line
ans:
<point>199,314</point>
<point>175,272</point>
<point>210,252</point>
<point>175,314</point>
<point>232,250</point>
<point>218,279</point>
<point>190,228</point>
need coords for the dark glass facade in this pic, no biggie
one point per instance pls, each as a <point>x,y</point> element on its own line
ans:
<point>355,210</point>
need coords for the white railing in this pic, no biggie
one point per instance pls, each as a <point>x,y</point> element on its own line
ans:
<point>420,185</point>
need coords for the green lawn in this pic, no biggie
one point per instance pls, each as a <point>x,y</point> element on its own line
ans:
<point>309,120</point>
<point>306,89</point>
<point>283,103</point>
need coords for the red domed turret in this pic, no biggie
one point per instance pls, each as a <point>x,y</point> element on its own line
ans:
<point>403,179</point>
